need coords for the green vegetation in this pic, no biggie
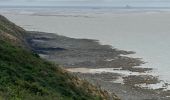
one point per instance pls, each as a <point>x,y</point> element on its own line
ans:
<point>25,76</point>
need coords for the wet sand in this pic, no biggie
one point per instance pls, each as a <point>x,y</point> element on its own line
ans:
<point>108,68</point>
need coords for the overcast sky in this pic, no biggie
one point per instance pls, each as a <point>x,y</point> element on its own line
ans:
<point>161,3</point>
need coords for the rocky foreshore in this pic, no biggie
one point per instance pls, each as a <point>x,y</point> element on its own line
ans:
<point>107,67</point>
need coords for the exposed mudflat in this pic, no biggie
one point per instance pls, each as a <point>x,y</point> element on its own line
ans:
<point>102,65</point>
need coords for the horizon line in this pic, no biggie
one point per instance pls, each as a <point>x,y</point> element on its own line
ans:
<point>72,6</point>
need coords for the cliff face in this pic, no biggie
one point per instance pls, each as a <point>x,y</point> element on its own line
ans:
<point>25,76</point>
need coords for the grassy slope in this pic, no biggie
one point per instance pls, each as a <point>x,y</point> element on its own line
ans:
<point>25,76</point>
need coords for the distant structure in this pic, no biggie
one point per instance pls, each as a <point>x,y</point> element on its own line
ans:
<point>128,7</point>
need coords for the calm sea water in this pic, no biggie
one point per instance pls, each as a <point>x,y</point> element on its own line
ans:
<point>145,31</point>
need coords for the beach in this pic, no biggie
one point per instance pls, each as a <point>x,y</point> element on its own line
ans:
<point>101,65</point>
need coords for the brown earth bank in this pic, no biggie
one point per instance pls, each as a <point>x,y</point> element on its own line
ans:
<point>85,53</point>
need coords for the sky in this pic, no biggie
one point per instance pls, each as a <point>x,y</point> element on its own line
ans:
<point>113,3</point>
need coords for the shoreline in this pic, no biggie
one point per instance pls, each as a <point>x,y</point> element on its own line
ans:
<point>118,30</point>
<point>89,54</point>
